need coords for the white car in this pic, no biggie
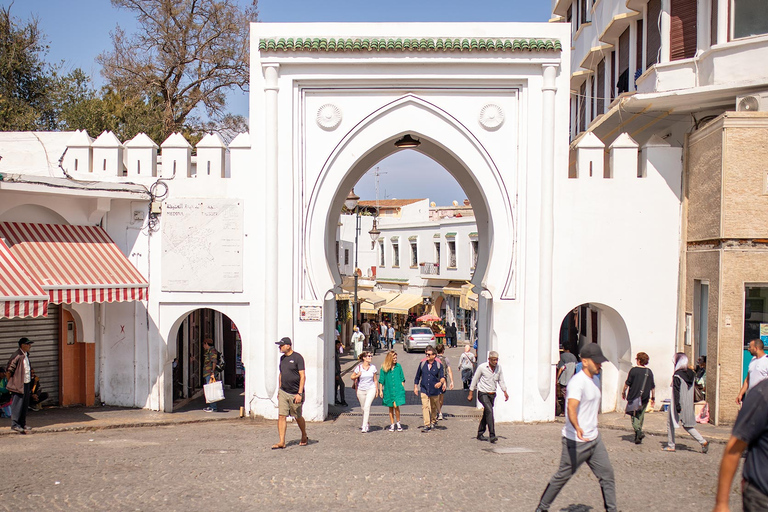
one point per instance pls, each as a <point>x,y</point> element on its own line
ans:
<point>418,338</point>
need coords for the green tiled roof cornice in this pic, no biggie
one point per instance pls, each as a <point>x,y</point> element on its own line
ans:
<point>412,45</point>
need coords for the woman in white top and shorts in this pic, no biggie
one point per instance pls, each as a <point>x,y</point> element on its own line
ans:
<point>366,381</point>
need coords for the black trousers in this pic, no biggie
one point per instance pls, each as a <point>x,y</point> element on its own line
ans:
<point>487,399</point>
<point>339,388</point>
<point>19,407</point>
<point>752,499</point>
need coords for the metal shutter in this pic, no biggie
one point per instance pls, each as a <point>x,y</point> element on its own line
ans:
<point>682,31</point>
<point>713,24</point>
<point>624,77</point>
<point>653,41</point>
<point>44,354</point>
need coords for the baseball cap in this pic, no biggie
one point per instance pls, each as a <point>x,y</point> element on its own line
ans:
<point>24,341</point>
<point>284,341</point>
<point>592,351</point>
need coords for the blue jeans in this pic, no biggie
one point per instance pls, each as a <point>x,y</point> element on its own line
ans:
<point>212,405</point>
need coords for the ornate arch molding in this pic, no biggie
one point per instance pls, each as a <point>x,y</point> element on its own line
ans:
<point>446,140</point>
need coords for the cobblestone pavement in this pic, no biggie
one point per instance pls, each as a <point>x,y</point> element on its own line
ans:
<point>228,465</point>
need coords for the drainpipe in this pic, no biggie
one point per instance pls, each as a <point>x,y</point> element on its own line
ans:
<point>546,229</point>
<point>271,75</point>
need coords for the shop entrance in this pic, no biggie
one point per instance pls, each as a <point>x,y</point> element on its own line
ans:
<point>196,327</point>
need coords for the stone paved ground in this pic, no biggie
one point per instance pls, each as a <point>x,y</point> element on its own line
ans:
<point>228,465</point>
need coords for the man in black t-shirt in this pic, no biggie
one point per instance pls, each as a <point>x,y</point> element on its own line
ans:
<point>639,383</point>
<point>290,395</point>
<point>751,433</point>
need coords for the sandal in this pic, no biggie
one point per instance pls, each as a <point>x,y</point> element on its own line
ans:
<point>304,442</point>
<point>278,446</point>
<point>667,449</point>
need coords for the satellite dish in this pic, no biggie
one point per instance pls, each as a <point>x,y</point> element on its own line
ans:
<point>455,203</point>
<point>748,104</point>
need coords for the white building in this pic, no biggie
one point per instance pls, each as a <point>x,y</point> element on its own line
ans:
<point>691,75</point>
<point>239,243</point>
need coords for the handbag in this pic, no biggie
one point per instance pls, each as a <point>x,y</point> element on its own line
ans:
<point>636,403</point>
<point>214,392</point>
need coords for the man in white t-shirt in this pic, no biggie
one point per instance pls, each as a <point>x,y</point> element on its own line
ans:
<point>581,440</point>
<point>758,368</point>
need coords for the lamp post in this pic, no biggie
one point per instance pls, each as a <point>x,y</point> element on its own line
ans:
<point>351,203</point>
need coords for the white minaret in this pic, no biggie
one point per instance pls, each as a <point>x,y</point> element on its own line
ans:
<point>141,156</point>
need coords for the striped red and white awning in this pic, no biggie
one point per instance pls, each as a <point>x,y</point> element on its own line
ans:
<point>74,264</point>
<point>20,295</point>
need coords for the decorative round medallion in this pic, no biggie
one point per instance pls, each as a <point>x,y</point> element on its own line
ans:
<point>491,116</point>
<point>328,116</point>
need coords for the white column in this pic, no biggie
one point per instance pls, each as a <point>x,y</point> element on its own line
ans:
<point>546,229</point>
<point>666,8</point>
<point>722,21</point>
<point>271,75</point>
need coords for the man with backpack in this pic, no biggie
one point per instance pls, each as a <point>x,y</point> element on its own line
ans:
<point>429,384</point>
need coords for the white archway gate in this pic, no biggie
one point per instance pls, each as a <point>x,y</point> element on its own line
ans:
<point>488,101</point>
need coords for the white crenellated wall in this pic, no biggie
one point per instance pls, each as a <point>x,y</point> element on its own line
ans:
<point>617,242</point>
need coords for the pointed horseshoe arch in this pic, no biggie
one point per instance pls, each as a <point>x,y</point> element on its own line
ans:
<point>445,140</point>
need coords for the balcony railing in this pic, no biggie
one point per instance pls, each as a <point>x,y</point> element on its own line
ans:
<point>429,269</point>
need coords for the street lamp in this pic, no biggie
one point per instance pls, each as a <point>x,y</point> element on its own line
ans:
<point>351,203</point>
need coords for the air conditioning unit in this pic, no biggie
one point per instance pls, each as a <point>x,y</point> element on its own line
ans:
<point>756,102</point>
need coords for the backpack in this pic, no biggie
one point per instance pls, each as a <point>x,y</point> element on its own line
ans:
<point>220,364</point>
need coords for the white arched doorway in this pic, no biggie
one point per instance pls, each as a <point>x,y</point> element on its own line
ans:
<point>326,117</point>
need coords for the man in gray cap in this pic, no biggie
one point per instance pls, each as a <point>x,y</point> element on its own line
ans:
<point>290,395</point>
<point>19,375</point>
<point>581,440</point>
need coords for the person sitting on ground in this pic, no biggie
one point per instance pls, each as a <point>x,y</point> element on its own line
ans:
<point>37,395</point>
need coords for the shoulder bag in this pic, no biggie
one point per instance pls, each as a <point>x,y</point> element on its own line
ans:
<point>636,403</point>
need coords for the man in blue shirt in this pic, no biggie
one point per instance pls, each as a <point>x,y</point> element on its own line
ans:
<point>430,384</point>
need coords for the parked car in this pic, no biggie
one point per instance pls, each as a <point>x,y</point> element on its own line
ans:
<point>418,338</point>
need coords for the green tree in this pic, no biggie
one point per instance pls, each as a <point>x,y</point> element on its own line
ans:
<point>25,78</point>
<point>187,54</point>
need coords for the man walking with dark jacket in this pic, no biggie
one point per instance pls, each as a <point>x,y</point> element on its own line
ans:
<point>19,375</point>
<point>429,384</point>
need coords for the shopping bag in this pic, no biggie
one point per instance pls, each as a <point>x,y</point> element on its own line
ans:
<point>214,392</point>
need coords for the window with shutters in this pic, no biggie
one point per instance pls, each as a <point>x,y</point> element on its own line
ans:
<point>582,113</point>
<point>622,84</point>
<point>682,29</point>
<point>653,38</point>
<point>749,18</point>
<point>395,254</point>
<point>600,88</point>
<point>639,48</point>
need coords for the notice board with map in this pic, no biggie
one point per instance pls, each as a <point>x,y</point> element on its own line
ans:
<point>202,245</point>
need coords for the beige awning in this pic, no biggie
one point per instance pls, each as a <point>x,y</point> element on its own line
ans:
<point>374,299</point>
<point>468,298</point>
<point>402,303</point>
<point>453,288</point>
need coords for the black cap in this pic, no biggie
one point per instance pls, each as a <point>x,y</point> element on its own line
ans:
<point>25,341</point>
<point>592,351</point>
<point>284,341</point>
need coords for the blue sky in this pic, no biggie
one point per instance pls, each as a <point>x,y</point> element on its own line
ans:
<point>78,30</point>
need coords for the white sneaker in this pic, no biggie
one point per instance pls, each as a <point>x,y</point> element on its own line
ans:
<point>440,417</point>
<point>365,429</point>
<point>392,427</point>
<point>399,428</point>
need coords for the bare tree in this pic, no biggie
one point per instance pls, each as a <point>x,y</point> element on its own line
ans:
<point>187,53</point>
